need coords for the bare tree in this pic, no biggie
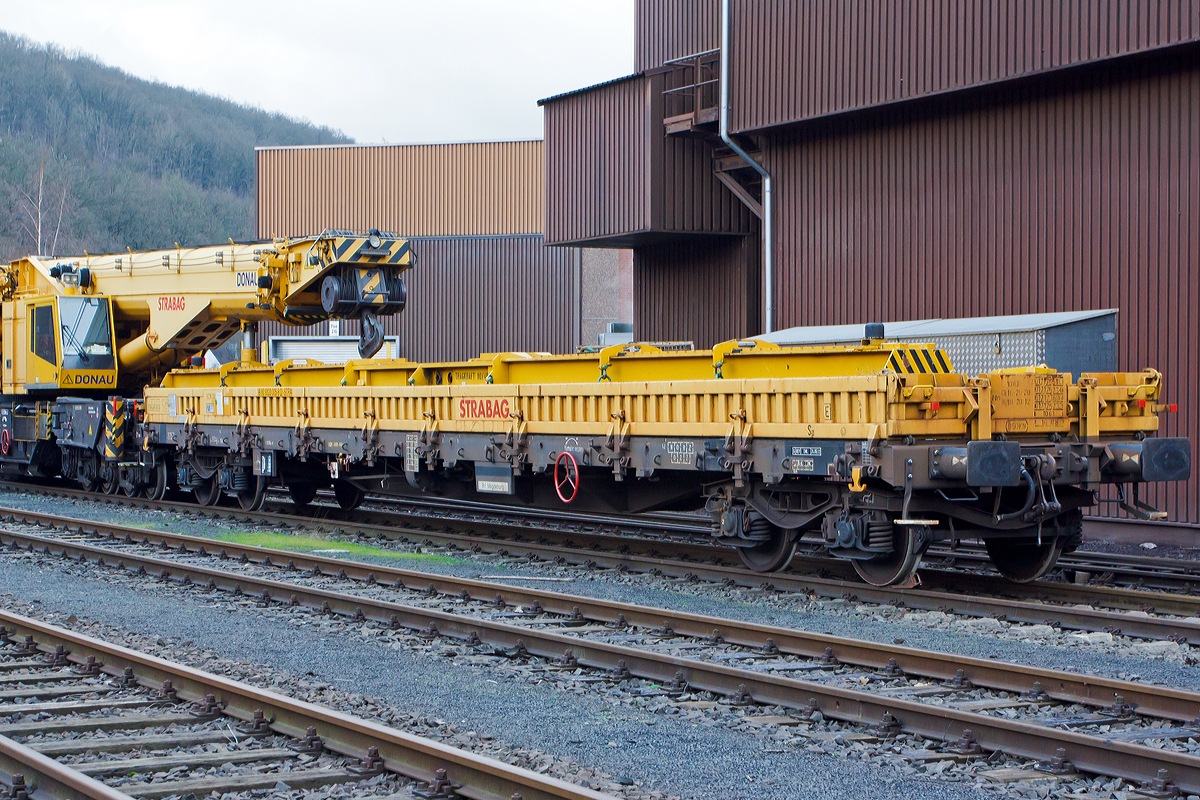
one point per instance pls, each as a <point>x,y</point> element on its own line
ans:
<point>62,204</point>
<point>34,211</point>
<point>38,207</point>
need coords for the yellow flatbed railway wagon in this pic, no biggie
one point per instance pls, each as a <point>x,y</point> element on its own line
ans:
<point>878,449</point>
<point>82,336</point>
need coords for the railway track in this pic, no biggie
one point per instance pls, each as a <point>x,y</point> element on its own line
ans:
<point>666,534</point>
<point>1158,615</point>
<point>1065,721</point>
<point>80,717</point>
<point>679,532</point>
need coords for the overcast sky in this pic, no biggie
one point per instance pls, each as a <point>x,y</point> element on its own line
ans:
<point>378,70</point>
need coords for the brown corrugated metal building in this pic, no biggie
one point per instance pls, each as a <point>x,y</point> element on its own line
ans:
<point>476,188</point>
<point>484,281</point>
<point>929,159</point>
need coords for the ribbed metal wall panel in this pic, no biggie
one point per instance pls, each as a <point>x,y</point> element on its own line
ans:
<point>614,179</point>
<point>417,190</point>
<point>469,295</point>
<point>702,289</point>
<point>597,162</point>
<point>669,29</point>
<point>1084,195</point>
<point>797,61</point>
<point>686,195</point>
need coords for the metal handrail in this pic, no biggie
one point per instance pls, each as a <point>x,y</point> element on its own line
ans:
<point>703,66</point>
<point>690,86</point>
<point>692,56</point>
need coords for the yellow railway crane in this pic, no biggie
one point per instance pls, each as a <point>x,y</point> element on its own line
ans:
<point>874,450</point>
<point>83,336</point>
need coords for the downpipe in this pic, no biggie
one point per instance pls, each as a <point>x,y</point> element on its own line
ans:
<point>768,255</point>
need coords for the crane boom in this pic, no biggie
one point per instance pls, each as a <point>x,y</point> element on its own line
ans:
<point>99,323</point>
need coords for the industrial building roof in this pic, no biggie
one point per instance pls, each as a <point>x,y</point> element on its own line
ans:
<point>928,328</point>
<point>561,95</point>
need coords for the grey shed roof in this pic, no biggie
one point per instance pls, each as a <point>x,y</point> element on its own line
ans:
<point>930,328</point>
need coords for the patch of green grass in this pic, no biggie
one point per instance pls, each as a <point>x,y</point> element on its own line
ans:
<point>306,544</point>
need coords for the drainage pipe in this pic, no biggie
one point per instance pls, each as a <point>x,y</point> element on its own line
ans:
<point>768,256</point>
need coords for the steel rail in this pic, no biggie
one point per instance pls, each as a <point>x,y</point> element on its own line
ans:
<point>982,594</point>
<point>1177,629</point>
<point>517,521</point>
<point>43,777</point>
<point>985,673</point>
<point>1087,752</point>
<point>1149,571</point>
<point>416,757</point>
<point>670,522</point>
<point>666,521</point>
<point>1171,572</point>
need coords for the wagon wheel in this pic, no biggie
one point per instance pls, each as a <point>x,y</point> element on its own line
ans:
<point>349,496</point>
<point>87,472</point>
<point>566,476</point>
<point>158,490</point>
<point>208,493</point>
<point>302,493</point>
<point>772,555</point>
<point>1022,559</point>
<point>908,545</point>
<point>252,497</point>
<point>110,478</point>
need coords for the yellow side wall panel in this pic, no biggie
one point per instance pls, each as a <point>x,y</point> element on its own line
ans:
<point>866,407</point>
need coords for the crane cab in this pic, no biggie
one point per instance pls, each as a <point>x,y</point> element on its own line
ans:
<point>67,343</point>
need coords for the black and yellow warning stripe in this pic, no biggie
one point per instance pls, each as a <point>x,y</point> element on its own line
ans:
<point>919,360</point>
<point>114,428</point>
<point>358,248</point>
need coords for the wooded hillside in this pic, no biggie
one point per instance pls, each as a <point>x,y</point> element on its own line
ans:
<point>94,159</point>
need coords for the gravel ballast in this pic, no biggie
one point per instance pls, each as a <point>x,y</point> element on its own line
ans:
<point>702,752</point>
<point>623,743</point>
<point>1096,653</point>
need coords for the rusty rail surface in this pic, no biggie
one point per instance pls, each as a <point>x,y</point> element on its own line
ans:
<point>402,753</point>
<point>1087,752</point>
<point>23,769</point>
<point>968,594</point>
<point>673,536</point>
